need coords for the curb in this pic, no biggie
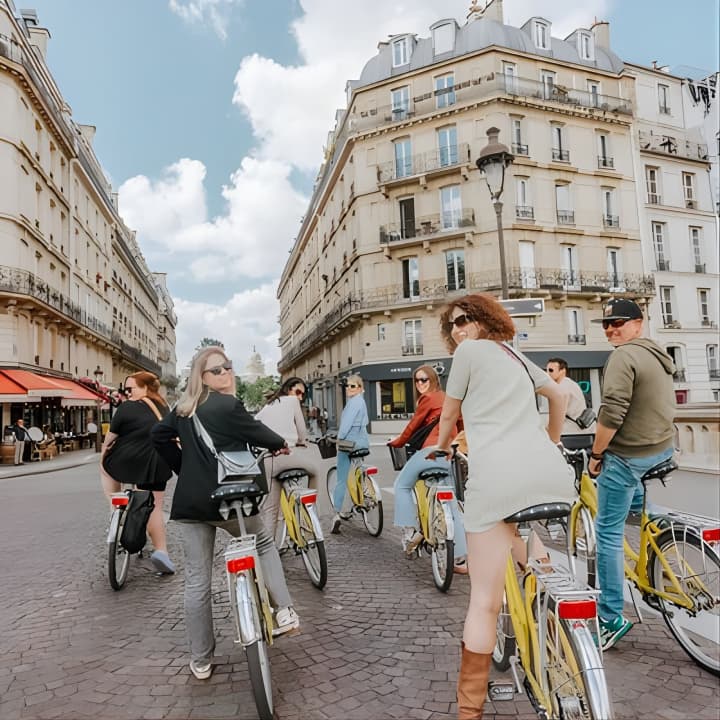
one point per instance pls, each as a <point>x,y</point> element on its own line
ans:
<point>45,467</point>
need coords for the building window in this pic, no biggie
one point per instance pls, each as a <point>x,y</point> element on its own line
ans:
<point>412,337</point>
<point>605,159</point>
<point>395,399</point>
<point>695,244</point>
<point>559,153</point>
<point>403,158</point>
<point>381,332</point>
<point>450,207</point>
<point>576,326</point>
<point>593,88</point>
<point>676,354</point>
<point>548,81</point>
<point>447,146</point>
<point>711,353</point>
<point>445,90</point>
<point>443,38</point>
<point>511,81</point>
<point>614,270</point>
<point>455,264</point>
<point>610,219</point>
<point>652,178</point>
<point>400,102</point>
<point>666,305</point>
<point>523,204</point>
<point>401,52</point>
<point>664,99</point>
<point>570,267</point>
<point>704,306</point>
<point>688,181</point>
<point>517,138</point>
<point>586,48</point>
<point>565,213</point>
<point>658,235</point>
<point>411,278</point>
<point>528,276</point>
<point>407,217</point>
<point>542,35</point>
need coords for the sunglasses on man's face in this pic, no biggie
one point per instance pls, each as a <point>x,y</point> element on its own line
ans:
<point>352,386</point>
<point>613,323</point>
<point>217,370</point>
<point>459,321</point>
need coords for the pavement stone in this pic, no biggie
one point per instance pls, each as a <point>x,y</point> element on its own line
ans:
<point>379,642</point>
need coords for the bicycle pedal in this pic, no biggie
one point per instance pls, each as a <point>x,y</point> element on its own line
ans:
<point>501,690</point>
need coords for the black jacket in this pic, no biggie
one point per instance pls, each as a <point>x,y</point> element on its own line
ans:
<point>231,427</point>
<point>20,433</point>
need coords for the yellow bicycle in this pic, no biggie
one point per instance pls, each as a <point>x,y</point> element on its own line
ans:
<point>544,629</point>
<point>676,568</point>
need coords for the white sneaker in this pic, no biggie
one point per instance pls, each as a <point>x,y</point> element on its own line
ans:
<point>336,522</point>
<point>286,620</point>
<point>202,671</point>
<point>411,540</point>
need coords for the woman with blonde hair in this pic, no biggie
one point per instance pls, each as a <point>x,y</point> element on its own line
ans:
<point>210,395</point>
<point>127,455</point>
<point>513,464</point>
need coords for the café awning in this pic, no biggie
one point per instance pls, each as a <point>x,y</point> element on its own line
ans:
<point>36,386</point>
<point>10,391</point>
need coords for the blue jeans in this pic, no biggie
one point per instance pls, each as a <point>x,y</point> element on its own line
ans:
<point>343,467</point>
<point>405,513</point>
<point>619,491</point>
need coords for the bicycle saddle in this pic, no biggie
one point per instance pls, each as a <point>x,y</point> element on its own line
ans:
<point>236,491</point>
<point>360,452</point>
<point>547,511</point>
<point>290,474</point>
<point>433,474</point>
<point>659,471</point>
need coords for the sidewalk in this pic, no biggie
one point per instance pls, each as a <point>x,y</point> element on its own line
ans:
<point>65,460</point>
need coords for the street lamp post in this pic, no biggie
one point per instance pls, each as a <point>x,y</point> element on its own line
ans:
<point>493,160</point>
<point>98,373</point>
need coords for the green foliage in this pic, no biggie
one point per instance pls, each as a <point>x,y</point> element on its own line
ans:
<point>253,394</point>
<point>209,342</point>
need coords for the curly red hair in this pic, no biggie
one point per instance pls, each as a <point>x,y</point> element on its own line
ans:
<point>480,308</point>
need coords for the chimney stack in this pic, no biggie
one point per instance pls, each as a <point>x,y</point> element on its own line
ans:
<point>39,36</point>
<point>601,33</point>
<point>493,10</point>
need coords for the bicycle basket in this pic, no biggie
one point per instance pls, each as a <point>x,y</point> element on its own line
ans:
<point>327,447</point>
<point>398,456</point>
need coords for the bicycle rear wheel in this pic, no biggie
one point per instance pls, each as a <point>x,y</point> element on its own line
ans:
<point>697,568</point>
<point>313,552</point>
<point>443,552</point>
<point>575,673</point>
<point>582,549</point>
<point>260,678</point>
<point>504,638</point>
<point>118,557</point>
<point>372,510</point>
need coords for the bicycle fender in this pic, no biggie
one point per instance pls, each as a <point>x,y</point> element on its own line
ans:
<point>114,523</point>
<point>317,529</point>
<point>248,623</point>
<point>449,522</point>
<point>378,493</point>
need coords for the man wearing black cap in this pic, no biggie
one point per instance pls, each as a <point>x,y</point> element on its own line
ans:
<point>634,432</point>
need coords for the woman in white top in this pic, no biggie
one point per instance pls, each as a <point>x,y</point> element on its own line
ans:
<point>283,414</point>
<point>513,464</point>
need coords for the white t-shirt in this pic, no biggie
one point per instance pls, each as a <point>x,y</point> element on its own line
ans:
<point>285,417</point>
<point>576,405</point>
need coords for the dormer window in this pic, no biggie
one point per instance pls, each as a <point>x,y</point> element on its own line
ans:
<point>542,35</point>
<point>443,38</point>
<point>586,47</point>
<point>401,51</point>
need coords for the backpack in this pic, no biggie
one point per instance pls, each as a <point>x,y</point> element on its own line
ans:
<point>134,532</point>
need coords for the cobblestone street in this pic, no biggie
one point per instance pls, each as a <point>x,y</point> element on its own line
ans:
<point>379,642</point>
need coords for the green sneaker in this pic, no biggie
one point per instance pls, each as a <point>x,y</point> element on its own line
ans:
<point>611,632</point>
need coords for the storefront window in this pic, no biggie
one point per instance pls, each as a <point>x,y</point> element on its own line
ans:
<point>396,399</point>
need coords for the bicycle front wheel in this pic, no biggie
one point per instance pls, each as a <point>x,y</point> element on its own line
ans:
<point>696,568</point>
<point>582,549</point>
<point>313,551</point>
<point>260,678</point>
<point>118,557</point>
<point>372,510</point>
<point>575,673</point>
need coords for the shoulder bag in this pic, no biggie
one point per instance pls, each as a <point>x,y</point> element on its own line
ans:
<point>232,465</point>
<point>585,419</point>
<point>139,508</point>
<point>418,438</point>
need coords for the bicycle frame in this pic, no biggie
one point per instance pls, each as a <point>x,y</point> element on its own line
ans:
<point>290,496</point>
<point>426,492</point>
<point>357,470</point>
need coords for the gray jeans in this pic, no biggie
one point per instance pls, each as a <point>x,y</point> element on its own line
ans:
<point>198,539</point>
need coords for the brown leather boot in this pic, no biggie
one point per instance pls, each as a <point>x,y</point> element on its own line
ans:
<point>472,684</point>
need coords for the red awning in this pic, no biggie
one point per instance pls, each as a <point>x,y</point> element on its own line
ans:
<point>36,386</point>
<point>10,391</point>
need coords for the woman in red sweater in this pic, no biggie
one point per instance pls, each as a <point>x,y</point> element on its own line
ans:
<point>429,399</point>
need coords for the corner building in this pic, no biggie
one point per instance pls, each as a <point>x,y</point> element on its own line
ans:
<point>77,300</point>
<point>401,220</point>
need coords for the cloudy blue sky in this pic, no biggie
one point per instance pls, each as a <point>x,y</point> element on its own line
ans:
<point>211,117</point>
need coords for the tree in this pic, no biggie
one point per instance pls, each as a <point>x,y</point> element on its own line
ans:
<point>254,394</point>
<point>209,342</point>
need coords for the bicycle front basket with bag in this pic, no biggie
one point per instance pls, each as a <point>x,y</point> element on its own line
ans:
<point>134,532</point>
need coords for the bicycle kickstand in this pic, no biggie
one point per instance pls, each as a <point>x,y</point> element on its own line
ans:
<point>631,588</point>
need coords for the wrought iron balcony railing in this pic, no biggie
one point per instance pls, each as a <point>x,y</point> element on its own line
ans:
<point>662,264</point>
<point>679,375</point>
<point>560,155</point>
<point>427,225</point>
<point>412,349</point>
<point>520,149</point>
<point>566,217</point>
<point>714,373</point>
<point>671,145</point>
<point>654,199</point>
<point>611,221</point>
<point>445,157</point>
<point>576,340</point>
<point>606,162</point>
<point>699,267</point>
<point>525,212</point>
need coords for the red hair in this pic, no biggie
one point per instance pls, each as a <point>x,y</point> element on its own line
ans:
<point>151,382</point>
<point>480,308</point>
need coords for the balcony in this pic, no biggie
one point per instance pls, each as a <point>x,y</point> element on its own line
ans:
<point>606,163</point>
<point>679,375</point>
<point>699,267</point>
<point>560,155</point>
<point>662,265</point>
<point>611,221</point>
<point>426,226</point>
<point>576,340</point>
<point>427,163</point>
<point>654,199</point>
<point>412,349</point>
<point>714,373</point>
<point>670,324</point>
<point>519,149</point>
<point>566,217</point>
<point>524,212</point>
<point>670,145</point>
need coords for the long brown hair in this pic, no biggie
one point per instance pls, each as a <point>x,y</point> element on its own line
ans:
<point>479,308</point>
<point>434,380</point>
<point>151,382</point>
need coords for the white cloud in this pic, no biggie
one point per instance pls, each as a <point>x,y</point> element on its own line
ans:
<point>214,12</point>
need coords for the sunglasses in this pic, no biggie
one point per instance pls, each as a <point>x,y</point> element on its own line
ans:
<point>128,390</point>
<point>422,380</point>
<point>613,323</point>
<point>353,386</point>
<point>550,370</point>
<point>219,368</point>
<point>460,321</point>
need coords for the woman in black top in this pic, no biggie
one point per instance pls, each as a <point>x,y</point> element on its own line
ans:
<point>210,394</point>
<point>128,456</point>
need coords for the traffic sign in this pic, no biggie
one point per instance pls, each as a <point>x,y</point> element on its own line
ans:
<point>523,336</point>
<point>524,307</point>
